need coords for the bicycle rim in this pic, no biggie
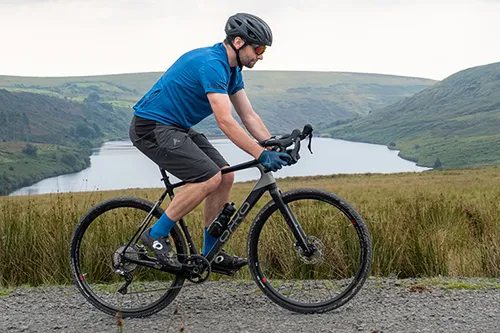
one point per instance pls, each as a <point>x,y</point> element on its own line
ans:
<point>325,280</point>
<point>101,233</point>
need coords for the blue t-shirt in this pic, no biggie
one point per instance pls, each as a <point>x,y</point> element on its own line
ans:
<point>179,97</point>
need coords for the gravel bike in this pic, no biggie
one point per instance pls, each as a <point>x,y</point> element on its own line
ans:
<point>309,251</point>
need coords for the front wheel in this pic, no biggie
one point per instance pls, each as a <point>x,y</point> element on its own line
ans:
<point>310,283</point>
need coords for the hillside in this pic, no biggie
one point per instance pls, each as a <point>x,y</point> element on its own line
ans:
<point>43,136</point>
<point>48,125</point>
<point>455,123</point>
<point>284,99</point>
<point>41,118</point>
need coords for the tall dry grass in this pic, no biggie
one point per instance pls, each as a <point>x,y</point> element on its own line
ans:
<point>422,224</point>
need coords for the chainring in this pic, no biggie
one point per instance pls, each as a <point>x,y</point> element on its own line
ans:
<point>201,269</point>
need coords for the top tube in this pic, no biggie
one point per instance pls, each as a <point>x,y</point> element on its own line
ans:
<point>237,167</point>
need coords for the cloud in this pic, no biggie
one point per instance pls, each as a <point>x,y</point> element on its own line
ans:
<point>416,38</point>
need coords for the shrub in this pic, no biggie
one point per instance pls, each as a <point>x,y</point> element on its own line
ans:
<point>30,150</point>
<point>437,164</point>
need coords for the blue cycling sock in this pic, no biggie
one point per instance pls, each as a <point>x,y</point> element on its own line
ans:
<point>208,242</point>
<point>162,227</point>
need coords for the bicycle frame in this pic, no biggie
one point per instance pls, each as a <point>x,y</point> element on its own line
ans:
<point>266,183</point>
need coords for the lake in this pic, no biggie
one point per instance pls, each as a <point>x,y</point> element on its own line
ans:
<point>119,165</point>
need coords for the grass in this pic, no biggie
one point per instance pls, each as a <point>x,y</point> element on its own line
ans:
<point>447,283</point>
<point>437,223</point>
<point>5,293</point>
<point>464,286</point>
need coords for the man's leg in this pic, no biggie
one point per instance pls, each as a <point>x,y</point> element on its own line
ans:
<point>213,205</point>
<point>191,195</point>
<point>216,200</point>
<point>174,150</point>
<point>184,201</point>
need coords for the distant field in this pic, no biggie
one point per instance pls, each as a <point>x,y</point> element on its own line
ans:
<point>254,79</point>
<point>284,99</point>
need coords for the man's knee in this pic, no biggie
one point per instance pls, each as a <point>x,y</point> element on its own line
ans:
<point>227,180</point>
<point>213,183</point>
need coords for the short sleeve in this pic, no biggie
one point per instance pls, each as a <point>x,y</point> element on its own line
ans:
<point>214,78</point>
<point>236,82</point>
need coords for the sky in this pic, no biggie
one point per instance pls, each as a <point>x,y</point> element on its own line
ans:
<point>422,38</point>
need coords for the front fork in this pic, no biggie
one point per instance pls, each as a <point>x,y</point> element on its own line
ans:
<point>294,225</point>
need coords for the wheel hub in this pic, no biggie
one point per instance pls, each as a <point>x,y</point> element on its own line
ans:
<point>120,260</point>
<point>317,254</point>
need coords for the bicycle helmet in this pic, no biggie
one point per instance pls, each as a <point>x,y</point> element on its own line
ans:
<point>249,27</point>
<point>252,29</point>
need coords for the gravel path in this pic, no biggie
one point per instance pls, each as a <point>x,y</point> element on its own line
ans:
<point>383,305</point>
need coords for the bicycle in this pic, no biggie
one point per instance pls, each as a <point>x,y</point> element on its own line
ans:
<point>290,252</point>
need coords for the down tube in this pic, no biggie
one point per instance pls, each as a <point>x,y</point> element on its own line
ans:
<point>250,201</point>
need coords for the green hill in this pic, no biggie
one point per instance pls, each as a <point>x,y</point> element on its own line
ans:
<point>41,118</point>
<point>284,99</point>
<point>455,123</point>
<point>48,125</point>
<point>43,136</point>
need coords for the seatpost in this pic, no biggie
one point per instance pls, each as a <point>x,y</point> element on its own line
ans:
<point>167,183</point>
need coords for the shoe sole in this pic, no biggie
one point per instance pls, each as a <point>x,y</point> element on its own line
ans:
<point>222,271</point>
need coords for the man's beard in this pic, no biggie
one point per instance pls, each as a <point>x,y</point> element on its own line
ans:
<point>249,64</point>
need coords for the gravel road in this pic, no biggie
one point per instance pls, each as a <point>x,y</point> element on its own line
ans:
<point>383,305</point>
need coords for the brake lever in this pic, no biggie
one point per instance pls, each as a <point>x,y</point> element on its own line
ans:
<point>310,140</point>
<point>265,142</point>
<point>294,153</point>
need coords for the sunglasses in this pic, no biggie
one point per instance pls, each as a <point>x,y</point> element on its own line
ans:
<point>259,49</point>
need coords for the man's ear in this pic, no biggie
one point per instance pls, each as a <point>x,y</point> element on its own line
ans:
<point>238,42</point>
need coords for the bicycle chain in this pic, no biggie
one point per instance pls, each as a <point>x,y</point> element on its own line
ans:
<point>184,285</point>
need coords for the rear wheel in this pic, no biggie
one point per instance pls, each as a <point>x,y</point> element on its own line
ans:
<point>96,247</point>
<point>317,282</point>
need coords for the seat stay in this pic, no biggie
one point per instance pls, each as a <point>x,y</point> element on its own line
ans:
<point>145,222</point>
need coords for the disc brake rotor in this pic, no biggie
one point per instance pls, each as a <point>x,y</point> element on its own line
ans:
<point>120,261</point>
<point>317,256</point>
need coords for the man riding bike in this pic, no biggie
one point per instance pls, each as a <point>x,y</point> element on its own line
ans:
<point>201,82</point>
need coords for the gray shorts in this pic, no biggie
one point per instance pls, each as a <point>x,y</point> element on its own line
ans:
<point>185,153</point>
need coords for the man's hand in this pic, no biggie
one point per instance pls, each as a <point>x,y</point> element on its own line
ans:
<point>274,160</point>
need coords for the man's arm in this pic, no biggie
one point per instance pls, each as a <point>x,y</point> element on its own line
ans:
<point>250,119</point>
<point>221,106</point>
